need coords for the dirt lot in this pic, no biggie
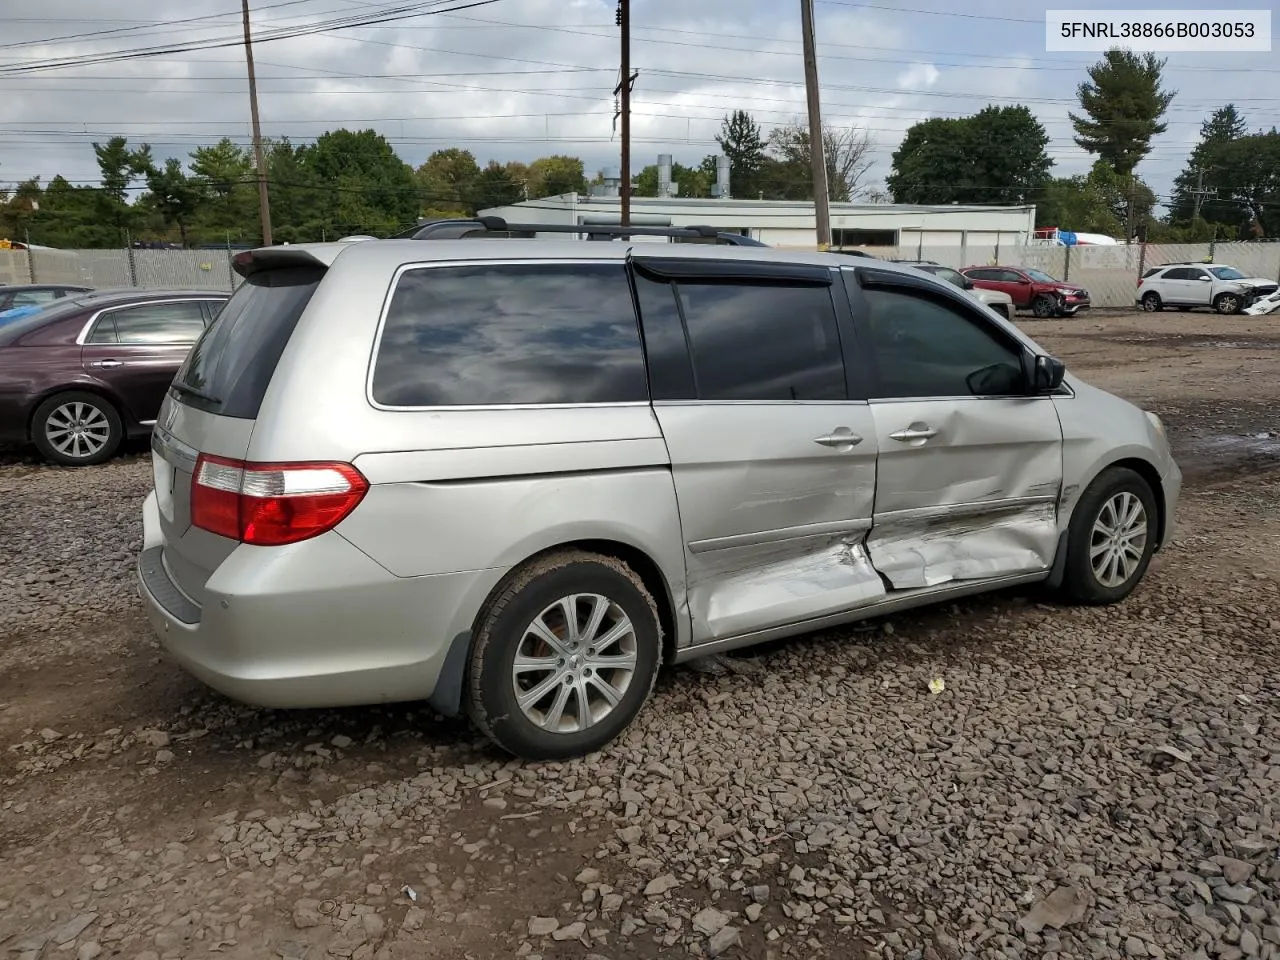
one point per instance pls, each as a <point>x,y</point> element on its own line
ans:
<point>1112,773</point>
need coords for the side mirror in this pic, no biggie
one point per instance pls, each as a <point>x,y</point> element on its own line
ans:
<point>1205,278</point>
<point>1024,281</point>
<point>1047,374</point>
<point>968,284</point>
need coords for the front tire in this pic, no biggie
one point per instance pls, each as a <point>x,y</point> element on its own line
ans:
<point>1228,303</point>
<point>1111,538</point>
<point>77,429</point>
<point>566,654</point>
<point>1044,306</point>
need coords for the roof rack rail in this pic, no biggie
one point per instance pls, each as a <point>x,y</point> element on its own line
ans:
<point>456,229</point>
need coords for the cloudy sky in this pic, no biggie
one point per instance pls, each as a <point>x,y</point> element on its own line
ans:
<point>516,79</point>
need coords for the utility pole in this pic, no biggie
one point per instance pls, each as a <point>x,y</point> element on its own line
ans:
<point>1128,218</point>
<point>1200,192</point>
<point>264,204</point>
<point>817,152</point>
<point>624,88</point>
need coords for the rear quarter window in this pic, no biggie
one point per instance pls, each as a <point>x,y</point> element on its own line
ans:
<point>510,334</point>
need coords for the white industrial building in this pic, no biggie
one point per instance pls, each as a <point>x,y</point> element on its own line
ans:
<point>786,223</point>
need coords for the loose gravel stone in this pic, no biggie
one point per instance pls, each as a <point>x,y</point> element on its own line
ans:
<point>1091,783</point>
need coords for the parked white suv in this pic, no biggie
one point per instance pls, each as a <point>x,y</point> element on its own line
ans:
<point>997,300</point>
<point>1190,285</point>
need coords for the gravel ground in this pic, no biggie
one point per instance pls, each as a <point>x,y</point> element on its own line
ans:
<point>1089,783</point>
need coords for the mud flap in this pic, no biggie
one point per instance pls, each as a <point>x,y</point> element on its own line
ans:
<point>446,699</point>
<point>1059,570</point>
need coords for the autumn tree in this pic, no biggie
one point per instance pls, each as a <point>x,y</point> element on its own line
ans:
<point>788,171</point>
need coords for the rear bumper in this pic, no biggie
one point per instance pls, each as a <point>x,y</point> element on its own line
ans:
<point>315,624</point>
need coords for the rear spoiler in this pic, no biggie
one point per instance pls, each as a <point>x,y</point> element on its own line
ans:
<point>249,262</point>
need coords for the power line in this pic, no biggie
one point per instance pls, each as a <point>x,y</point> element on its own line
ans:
<point>387,15</point>
<point>95,34</point>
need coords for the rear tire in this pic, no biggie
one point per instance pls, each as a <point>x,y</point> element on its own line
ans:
<point>1111,538</point>
<point>1151,302</point>
<point>545,686</point>
<point>77,429</point>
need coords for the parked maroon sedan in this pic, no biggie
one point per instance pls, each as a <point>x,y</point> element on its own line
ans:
<point>83,374</point>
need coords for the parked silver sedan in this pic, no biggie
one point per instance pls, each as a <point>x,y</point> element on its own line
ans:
<point>516,477</point>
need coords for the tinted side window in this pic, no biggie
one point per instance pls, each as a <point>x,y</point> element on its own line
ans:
<point>510,334</point>
<point>665,346</point>
<point>983,274</point>
<point>160,323</point>
<point>1009,276</point>
<point>763,341</point>
<point>927,347</point>
<point>104,331</point>
<point>1180,273</point>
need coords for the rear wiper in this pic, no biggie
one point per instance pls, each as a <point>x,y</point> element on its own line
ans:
<point>198,394</point>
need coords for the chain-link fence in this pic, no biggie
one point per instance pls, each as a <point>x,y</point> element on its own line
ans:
<point>106,269</point>
<point>1110,274</point>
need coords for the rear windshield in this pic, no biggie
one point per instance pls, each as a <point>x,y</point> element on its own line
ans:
<point>229,367</point>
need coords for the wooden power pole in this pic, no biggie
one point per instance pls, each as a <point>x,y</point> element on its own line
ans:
<point>1200,193</point>
<point>821,199</point>
<point>264,203</point>
<point>624,89</point>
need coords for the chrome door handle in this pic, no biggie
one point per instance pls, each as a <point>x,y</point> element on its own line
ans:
<point>839,440</point>
<point>914,434</point>
<point>108,363</point>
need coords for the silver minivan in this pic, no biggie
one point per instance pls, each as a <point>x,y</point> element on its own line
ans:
<point>514,478</point>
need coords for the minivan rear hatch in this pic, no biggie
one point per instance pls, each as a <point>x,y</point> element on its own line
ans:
<point>214,401</point>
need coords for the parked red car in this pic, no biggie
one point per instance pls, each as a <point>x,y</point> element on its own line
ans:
<point>1031,290</point>
<point>83,374</point>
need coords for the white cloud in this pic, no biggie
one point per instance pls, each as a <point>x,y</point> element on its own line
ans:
<point>522,78</point>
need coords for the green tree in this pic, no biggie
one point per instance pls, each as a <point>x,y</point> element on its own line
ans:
<point>225,172</point>
<point>1222,126</point>
<point>691,181</point>
<point>373,191</point>
<point>1096,202</point>
<point>1122,103</point>
<point>555,176</point>
<point>1246,172</point>
<point>119,167</point>
<point>495,187</point>
<point>299,208</point>
<point>998,155</point>
<point>175,196</point>
<point>447,181</point>
<point>742,141</point>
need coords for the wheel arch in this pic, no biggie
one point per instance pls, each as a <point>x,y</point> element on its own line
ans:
<point>447,698</point>
<point>1148,471</point>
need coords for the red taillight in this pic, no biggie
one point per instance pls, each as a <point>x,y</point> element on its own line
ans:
<point>270,504</point>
